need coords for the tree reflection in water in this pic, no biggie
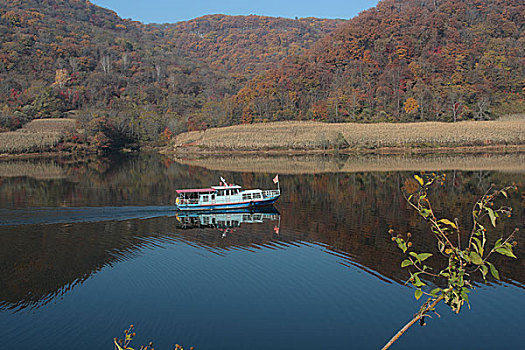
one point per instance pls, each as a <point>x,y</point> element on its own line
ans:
<point>350,213</point>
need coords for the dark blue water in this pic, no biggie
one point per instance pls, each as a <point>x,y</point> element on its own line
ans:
<point>84,257</point>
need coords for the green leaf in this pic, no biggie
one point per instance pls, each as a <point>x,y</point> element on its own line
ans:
<point>417,282</point>
<point>424,213</point>
<point>401,244</point>
<point>419,179</point>
<point>484,270</point>
<point>435,291</point>
<point>418,293</point>
<point>464,255</point>
<point>441,246</point>
<point>505,251</point>
<point>492,216</point>
<point>406,263</point>
<point>504,193</point>
<point>461,281</point>
<point>448,222</point>
<point>423,256</point>
<point>476,259</point>
<point>498,243</point>
<point>493,271</point>
<point>478,245</point>
<point>413,254</point>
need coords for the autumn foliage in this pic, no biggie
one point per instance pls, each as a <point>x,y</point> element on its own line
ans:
<point>441,60</point>
<point>403,61</point>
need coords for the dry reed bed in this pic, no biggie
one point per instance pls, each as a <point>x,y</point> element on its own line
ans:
<point>50,125</point>
<point>318,164</point>
<point>315,135</point>
<point>37,136</point>
<point>20,142</point>
<point>39,171</point>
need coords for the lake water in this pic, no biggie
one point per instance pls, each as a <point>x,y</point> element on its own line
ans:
<point>86,249</point>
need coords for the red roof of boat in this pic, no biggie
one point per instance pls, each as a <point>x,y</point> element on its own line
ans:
<point>193,190</point>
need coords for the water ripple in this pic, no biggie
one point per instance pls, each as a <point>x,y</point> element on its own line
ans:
<point>67,215</point>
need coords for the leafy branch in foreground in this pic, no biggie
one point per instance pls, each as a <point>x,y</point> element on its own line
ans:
<point>461,262</point>
<point>129,334</point>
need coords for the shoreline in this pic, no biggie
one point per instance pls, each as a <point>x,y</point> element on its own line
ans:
<point>492,149</point>
<point>204,152</point>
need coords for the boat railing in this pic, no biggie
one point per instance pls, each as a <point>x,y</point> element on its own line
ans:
<point>189,201</point>
<point>271,193</point>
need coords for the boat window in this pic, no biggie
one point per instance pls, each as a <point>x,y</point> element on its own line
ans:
<point>205,198</point>
<point>247,196</point>
<point>256,195</point>
<point>212,197</point>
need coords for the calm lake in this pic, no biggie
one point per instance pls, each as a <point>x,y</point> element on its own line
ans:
<point>88,248</point>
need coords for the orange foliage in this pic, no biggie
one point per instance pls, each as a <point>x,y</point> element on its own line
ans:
<point>411,105</point>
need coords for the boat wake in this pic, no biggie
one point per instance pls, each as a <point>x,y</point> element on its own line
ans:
<point>66,215</point>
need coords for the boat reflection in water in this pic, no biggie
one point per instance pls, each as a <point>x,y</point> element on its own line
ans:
<point>227,220</point>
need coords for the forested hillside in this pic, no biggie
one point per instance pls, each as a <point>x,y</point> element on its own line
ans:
<point>125,81</point>
<point>58,56</point>
<point>246,44</point>
<point>402,60</point>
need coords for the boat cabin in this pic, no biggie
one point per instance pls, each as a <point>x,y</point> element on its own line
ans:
<point>196,196</point>
<point>217,195</point>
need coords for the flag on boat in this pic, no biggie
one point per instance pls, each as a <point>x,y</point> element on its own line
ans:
<point>276,179</point>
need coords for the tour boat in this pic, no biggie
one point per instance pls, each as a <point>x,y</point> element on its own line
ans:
<point>226,196</point>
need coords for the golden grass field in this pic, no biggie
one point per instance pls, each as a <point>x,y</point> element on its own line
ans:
<point>36,136</point>
<point>315,135</point>
<point>50,125</point>
<point>315,164</point>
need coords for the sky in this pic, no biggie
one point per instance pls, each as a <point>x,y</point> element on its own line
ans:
<point>168,11</point>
